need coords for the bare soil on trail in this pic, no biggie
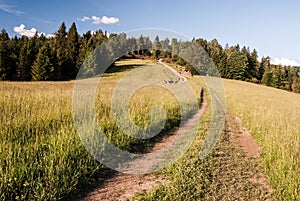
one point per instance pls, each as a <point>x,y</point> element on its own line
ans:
<point>241,138</point>
<point>236,169</point>
<point>123,186</point>
<point>244,140</point>
<point>173,71</point>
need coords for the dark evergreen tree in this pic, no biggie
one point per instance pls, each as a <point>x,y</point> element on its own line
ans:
<point>215,52</point>
<point>90,65</point>
<point>43,68</point>
<point>156,47</point>
<point>140,45</point>
<point>61,53</point>
<point>268,79</point>
<point>71,67</point>
<point>165,47</point>
<point>203,43</point>
<point>7,65</point>
<point>27,57</point>
<point>236,65</point>
<point>251,72</point>
<point>174,49</point>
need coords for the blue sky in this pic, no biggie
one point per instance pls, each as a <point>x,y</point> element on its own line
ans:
<point>272,27</point>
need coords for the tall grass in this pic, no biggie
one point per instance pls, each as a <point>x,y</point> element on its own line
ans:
<point>41,156</point>
<point>222,175</point>
<point>272,116</point>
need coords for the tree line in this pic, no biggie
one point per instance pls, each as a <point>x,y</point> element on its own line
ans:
<point>60,57</point>
<point>40,59</point>
<point>242,64</point>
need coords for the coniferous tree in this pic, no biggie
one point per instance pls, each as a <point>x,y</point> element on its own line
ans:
<point>156,47</point>
<point>174,49</point>
<point>278,77</point>
<point>43,69</point>
<point>89,65</point>
<point>237,63</point>
<point>27,57</point>
<point>215,52</point>
<point>147,45</point>
<point>222,65</point>
<point>141,45</point>
<point>252,64</point>
<point>72,52</point>
<point>268,79</point>
<point>6,62</point>
<point>264,71</point>
<point>61,55</point>
<point>21,69</point>
<point>165,49</point>
<point>203,43</point>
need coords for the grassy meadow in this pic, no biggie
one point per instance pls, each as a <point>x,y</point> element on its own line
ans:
<point>271,116</point>
<point>41,156</point>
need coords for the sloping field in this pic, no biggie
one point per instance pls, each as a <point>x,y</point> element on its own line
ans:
<point>41,155</point>
<point>272,117</point>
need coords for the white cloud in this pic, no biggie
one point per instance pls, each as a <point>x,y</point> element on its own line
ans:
<point>84,19</point>
<point>99,20</point>
<point>10,9</point>
<point>50,36</point>
<point>109,20</point>
<point>96,20</point>
<point>105,20</point>
<point>26,32</point>
<point>284,62</point>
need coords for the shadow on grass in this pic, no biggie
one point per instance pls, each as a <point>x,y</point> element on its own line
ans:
<point>96,182</point>
<point>103,174</point>
<point>122,68</point>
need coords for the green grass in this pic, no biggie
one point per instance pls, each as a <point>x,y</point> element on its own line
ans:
<point>41,156</point>
<point>223,175</point>
<point>272,116</point>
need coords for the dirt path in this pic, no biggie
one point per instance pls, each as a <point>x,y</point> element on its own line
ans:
<point>173,71</point>
<point>244,140</point>
<point>122,186</point>
<point>235,169</point>
<point>241,138</point>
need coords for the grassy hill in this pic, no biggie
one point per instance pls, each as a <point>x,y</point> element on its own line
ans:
<point>271,117</point>
<point>42,157</point>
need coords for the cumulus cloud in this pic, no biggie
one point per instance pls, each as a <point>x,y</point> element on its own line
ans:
<point>26,32</point>
<point>284,62</point>
<point>84,19</point>
<point>105,20</point>
<point>96,20</point>
<point>109,20</point>
<point>50,36</point>
<point>10,9</point>
<point>99,20</point>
